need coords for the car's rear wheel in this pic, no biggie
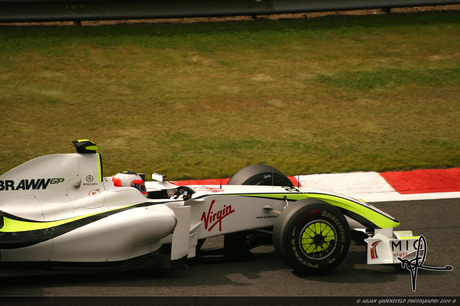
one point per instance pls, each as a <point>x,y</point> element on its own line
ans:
<point>239,243</point>
<point>311,236</point>
<point>260,175</point>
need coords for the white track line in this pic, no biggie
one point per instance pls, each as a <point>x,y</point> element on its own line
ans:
<point>368,186</point>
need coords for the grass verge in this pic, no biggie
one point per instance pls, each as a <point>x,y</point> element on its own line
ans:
<point>331,94</point>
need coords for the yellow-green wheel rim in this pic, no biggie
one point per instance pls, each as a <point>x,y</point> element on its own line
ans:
<point>318,239</point>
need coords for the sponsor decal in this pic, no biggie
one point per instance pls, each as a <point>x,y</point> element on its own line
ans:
<point>373,250</point>
<point>29,184</point>
<point>213,218</point>
<point>94,192</point>
<point>313,213</point>
<point>267,217</point>
<point>399,248</point>
<point>405,248</point>
<point>89,181</point>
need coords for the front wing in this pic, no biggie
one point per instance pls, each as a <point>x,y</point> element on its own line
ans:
<point>390,247</point>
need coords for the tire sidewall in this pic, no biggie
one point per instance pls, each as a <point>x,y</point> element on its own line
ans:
<point>289,228</point>
<point>260,175</point>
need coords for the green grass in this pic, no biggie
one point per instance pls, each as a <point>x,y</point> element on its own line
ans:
<point>331,94</point>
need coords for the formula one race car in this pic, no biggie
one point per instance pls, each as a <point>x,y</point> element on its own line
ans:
<point>59,212</point>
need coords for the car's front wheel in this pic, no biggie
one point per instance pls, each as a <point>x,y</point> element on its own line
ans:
<point>311,236</point>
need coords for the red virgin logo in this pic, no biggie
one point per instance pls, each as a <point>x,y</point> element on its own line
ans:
<point>211,219</point>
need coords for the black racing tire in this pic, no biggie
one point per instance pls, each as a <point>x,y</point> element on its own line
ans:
<point>311,236</point>
<point>260,175</point>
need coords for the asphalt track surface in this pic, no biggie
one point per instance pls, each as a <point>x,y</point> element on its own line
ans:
<point>268,276</point>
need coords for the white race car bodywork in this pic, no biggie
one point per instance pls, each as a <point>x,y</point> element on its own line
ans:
<point>60,209</point>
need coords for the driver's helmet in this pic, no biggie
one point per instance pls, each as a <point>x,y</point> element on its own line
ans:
<point>129,179</point>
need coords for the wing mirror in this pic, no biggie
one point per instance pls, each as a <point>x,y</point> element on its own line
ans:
<point>158,177</point>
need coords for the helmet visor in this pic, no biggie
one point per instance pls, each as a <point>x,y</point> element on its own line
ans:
<point>139,185</point>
